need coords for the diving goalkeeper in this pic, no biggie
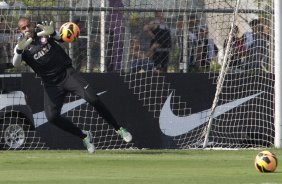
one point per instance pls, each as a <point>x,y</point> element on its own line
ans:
<point>40,50</point>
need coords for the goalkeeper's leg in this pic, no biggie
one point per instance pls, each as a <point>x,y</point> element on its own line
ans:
<point>82,88</point>
<point>53,101</point>
<point>106,114</point>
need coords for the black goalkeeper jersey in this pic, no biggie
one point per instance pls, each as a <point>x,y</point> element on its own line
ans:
<point>48,59</point>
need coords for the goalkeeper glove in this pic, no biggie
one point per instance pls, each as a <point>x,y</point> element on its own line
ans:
<point>23,42</point>
<point>46,29</point>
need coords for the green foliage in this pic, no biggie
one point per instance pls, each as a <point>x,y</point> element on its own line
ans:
<point>264,1</point>
<point>214,66</point>
<point>46,3</point>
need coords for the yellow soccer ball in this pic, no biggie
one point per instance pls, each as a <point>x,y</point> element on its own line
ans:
<point>69,32</point>
<point>266,161</point>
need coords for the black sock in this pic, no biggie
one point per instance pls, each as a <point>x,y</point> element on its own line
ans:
<point>68,126</point>
<point>105,113</point>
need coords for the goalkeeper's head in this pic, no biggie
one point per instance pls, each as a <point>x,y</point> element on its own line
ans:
<point>25,26</point>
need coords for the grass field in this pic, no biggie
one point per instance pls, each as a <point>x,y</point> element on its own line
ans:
<point>134,167</point>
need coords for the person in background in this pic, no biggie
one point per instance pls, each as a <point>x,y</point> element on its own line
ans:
<point>115,31</point>
<point>192,40</point>
<point>4,41</point>
<point>206,48</point>
<point>258,51</point>
<point>159,33</point>
<point>237,51</point>
<point>248,36</point>
<point>141,61</point>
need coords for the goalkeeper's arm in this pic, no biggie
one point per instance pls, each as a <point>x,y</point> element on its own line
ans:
<point>23,42</point>
<point>48,30</point>
<point>56,36</point>
<point>17,58</point>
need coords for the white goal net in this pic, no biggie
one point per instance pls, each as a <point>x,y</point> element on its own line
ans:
<point>230,41</point>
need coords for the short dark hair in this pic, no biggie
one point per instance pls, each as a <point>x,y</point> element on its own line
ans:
<point>254,22</point>
<point>22,18</point>
<point>193,16</point>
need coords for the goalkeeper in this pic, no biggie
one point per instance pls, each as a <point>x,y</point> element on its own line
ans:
<point>46,57</point>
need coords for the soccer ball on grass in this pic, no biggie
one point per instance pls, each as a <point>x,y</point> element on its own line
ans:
<point>69,31</point>
<point>266,161</point>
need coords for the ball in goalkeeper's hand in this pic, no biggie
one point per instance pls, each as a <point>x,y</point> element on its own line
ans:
<point>69,32</point>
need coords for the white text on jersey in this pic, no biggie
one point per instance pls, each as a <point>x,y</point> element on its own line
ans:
<point>42,52</point>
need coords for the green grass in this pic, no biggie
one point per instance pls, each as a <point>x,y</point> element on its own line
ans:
<point>134,167</point>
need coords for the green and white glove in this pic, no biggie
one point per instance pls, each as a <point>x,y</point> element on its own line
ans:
<point>23,42</point>
<point>46,29</point>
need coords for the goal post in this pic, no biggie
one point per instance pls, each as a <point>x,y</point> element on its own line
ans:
<point>278,73</point>
<point>222,73</point>
<point>277,66</point>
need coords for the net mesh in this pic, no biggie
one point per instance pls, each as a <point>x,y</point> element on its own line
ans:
<point>144,39</point>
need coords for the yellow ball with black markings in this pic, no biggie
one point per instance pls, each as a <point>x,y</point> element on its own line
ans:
<point>69,32</point>
<point>266,161</point>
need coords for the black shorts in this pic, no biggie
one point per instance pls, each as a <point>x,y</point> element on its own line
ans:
<point>54,95</point>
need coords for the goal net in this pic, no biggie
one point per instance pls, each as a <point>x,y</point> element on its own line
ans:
<point>231,42</point>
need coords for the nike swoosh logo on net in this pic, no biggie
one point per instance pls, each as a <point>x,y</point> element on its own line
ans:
<point>85,87</point>
<point>173,125</point>
<point>40,117</point>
